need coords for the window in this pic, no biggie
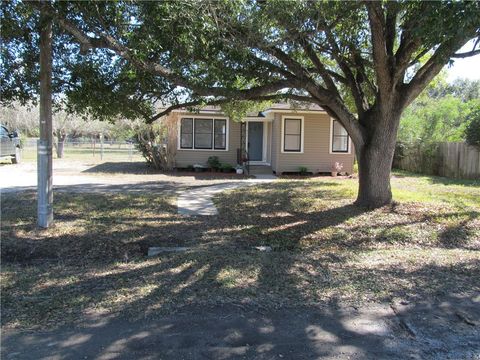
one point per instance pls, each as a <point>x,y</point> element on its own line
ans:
<point>339,138</point>
<point>203,134</point>
<point>292,135</point>
<point>3,132</point>
<point>220,134</point>
<point>186,134</point>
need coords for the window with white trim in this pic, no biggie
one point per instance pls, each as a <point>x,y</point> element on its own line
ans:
<point>186,133</point>
<point>292,135</point>
<point>220,134</point>
<point>203,134</point>
<point>339,138</point>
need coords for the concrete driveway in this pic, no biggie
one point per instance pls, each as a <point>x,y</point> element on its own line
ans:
<point>81,176</point>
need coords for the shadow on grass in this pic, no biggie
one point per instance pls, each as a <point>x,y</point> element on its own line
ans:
<point>94,258</point>
<point>142,168</point>
<point>123,167</point>
<point>248,327</point>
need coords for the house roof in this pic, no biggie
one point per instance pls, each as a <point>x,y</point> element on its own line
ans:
<point>298,107</point>
<point>277,107</point>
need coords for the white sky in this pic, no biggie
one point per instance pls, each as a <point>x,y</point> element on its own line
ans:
<point>465,68</point>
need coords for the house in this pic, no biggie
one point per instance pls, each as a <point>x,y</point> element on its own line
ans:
<point>280,139</point>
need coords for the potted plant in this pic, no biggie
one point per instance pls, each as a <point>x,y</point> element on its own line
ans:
<point>239,169</point>
<point>336,168</point>
<point>214,163</point>
<point>226,168</point>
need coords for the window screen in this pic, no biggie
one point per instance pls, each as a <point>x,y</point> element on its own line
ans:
<point>292,135</point>
<point>186,134</point>
<point>203,133</point>
<point>339,138</point>
<point>220,134</point>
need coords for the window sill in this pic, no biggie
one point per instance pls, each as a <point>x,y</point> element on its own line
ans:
<point>291,152</point>
<point>216,150</point>
<point>340,152</point>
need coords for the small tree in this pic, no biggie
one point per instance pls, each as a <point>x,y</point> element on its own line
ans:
<point>65,124</point>
<point>157,142</point>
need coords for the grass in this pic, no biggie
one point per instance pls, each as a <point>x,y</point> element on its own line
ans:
<point>93,259</point>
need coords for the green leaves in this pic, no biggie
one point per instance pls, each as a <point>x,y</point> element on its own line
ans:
<point>222,49</point>
<point>442,113</point>
<point>472,131</point>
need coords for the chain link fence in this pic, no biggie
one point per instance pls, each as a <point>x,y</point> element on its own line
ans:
<point>87,149</point>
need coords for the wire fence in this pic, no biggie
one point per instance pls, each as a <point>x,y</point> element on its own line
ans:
<point>87,149</point>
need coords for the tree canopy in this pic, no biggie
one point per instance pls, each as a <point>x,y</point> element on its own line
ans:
<point>441,113</point>
<point>363,62</point>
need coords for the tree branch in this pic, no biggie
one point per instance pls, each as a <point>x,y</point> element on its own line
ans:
<point>325,75</point>
<point>466,54</point>
<point>204,102</point>
<point>349,77</point>
<point>431,68</point>
<point>390,27</point>
<point>106,41</point>
<point>379,46</point>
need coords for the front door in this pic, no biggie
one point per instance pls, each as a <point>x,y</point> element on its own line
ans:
<point>255,141</point>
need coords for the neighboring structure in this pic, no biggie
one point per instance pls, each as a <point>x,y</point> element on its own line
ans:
<point>280,138</point>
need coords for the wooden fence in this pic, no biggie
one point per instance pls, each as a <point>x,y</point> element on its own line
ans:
<point>456,160</point>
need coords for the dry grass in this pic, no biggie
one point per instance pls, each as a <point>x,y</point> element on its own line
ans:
<point>93,259</point>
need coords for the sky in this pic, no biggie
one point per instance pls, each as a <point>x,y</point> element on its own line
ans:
<point>465,68</point>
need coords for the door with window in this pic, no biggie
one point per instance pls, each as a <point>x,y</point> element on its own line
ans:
<point>255,140</point>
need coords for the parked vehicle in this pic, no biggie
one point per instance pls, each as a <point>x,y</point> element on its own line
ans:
<point>9,145</point>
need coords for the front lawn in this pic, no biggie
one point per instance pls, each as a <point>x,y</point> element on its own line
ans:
<point>323,248</point>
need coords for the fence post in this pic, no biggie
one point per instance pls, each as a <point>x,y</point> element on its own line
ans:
<point>101,146</point>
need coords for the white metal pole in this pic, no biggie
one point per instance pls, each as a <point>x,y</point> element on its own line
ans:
<point>44,146</point>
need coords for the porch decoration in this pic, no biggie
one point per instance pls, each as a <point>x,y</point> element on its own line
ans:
<point>336,168</point>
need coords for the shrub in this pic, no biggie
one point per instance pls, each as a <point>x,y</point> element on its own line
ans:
<point>303,170</point>
<point>213,162</point>
<point>157,143</point>
<point>226,167</point>
<point>472,132</point>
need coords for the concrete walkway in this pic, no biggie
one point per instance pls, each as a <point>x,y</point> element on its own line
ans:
<point>198,201</point>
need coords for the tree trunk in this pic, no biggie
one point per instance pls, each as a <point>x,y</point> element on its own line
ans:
<point>60,145</point>
<point>375,163</point>
<point>374,167</point>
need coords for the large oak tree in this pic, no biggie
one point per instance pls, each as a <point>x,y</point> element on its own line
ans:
<point>363,62</point>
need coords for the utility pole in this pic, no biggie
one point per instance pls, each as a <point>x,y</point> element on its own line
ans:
<point>44,146</point>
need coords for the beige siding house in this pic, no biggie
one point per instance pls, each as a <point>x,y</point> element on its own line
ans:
<point>279,139</point>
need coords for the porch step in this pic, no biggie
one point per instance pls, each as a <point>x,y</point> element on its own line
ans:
<point>260,170</point>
